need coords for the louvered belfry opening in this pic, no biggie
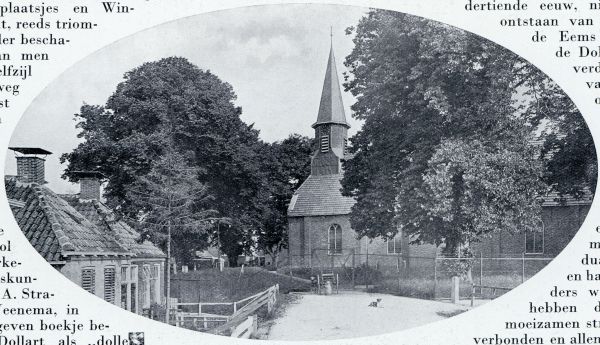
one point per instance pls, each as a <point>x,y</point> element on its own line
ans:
<point>325,143</point>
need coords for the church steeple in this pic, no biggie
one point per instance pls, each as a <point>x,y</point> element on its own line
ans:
<point>331,108</point>
<point>331,128</point>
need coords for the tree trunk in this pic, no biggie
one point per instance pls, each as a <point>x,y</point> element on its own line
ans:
<point>232,260</point>
<point>273,256</point>
<point>168,282</point>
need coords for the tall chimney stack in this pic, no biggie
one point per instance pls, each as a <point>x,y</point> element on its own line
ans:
<point>90,183</point>
<point>30,164</point>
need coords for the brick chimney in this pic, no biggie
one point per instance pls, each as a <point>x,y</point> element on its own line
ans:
<point>90,183</point>
<point>30,164</point>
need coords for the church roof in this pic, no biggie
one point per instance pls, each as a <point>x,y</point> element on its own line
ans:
<point>331,108</point>
<point>320,196</point>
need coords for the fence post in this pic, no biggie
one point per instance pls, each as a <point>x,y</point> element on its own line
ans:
<point>398,269</point>
<point>435,275</point>
<point>254,325</point>
<point>353,267</point>
<point>367,272</point>
<point>455,290</point>
<point>523,268</point>
<point>480,268</point>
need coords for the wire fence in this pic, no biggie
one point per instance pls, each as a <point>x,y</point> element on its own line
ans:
<point>417,276</point>
<point>212,285</point>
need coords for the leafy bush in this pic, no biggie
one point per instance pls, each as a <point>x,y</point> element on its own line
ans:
<point>459,267</point>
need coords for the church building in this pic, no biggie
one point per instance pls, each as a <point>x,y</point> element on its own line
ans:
<point>319,232</point>
<point>318,214</point>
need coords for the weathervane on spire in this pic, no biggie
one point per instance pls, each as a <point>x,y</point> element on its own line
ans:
<point>331,34</point>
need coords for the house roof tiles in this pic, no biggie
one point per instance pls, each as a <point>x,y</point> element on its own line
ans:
<point>53,227</point>
<point>103,217</point>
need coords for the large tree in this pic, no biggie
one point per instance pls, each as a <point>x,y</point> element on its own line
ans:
<point>124,137</point>
<point>172,204</point>
<point>567,143</point>
<point>286,165</point>
<point>445,153</point>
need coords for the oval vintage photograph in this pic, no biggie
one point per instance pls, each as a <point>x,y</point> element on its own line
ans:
<point>301,172</point>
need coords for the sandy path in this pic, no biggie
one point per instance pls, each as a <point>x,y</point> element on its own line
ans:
<point>346,315</point>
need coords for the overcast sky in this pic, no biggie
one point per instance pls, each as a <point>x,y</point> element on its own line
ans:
<point>273,56</point>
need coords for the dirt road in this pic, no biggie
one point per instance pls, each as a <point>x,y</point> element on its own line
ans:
<point>347,315</point>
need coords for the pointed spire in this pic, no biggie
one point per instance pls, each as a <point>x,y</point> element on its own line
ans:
<point>331,108</point>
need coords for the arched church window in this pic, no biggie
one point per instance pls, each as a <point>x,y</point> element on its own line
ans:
<point>325,143</point>
<point>394,245</point>
<point>335,239</point>
<point>534,240</point>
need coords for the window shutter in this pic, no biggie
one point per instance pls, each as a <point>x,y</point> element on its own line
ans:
<point>156,281</point>
<point>145,288</point>
<point>109,284</point>
<point>88,280</point>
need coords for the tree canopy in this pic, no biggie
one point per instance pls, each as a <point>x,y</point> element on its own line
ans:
<point>167,115</point>
<point>446,153</point>
<point>123,138</point>
<point>287,165</point>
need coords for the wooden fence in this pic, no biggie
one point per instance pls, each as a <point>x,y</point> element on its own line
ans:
<point>494,289</point>
<point>266,298</point>
<point>246,329</point>
<point>236,324</point>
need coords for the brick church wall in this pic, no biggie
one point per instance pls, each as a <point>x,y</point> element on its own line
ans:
<point>308,240</point>
<point>561,223</point>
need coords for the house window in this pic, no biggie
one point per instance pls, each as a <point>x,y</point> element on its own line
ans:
<point>88,280</point>
<point>109,284</point>
<point>129,278</point>
<point>345,146</point>
<point>534,242</point>
<point>325,143</point>
<point>394,245</point>
<point>335,239</point>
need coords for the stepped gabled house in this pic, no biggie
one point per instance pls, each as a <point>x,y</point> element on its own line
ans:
<point>83,239</point>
